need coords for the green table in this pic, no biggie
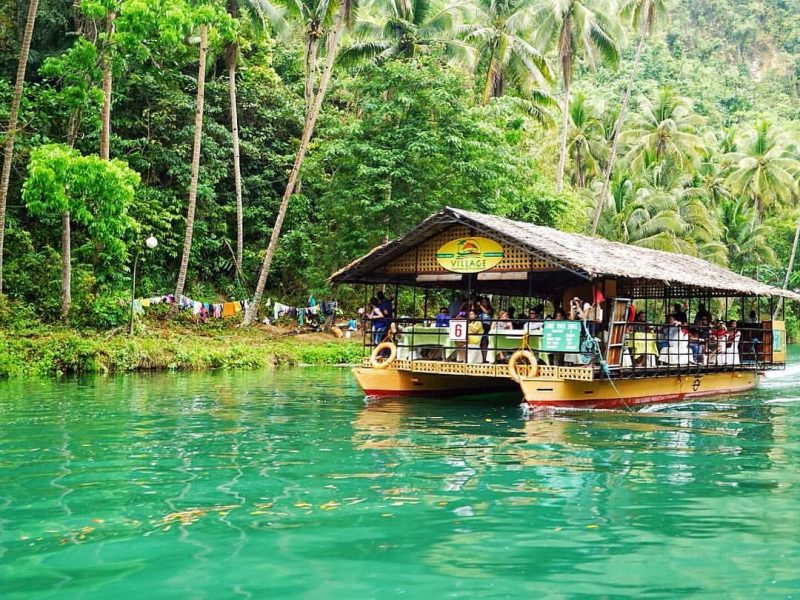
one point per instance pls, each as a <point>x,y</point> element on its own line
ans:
<point>430,338</point>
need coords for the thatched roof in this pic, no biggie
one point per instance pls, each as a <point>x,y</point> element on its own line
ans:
<point>583,256</point>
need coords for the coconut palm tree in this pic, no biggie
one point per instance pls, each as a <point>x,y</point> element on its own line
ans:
<point>664,128</point>
<point>745,237</point>
<point>406,30</point>
<point>576,28</point>
<point>642,15</point>
<point>586,144</point>
<point>13,113</point>
<point>656,212</point>
<point>708,181</point>
<point>345,17</point>
<point>198,132</point>
<point>314,18</point>
<point>501,30</point>
<point>257,12</point>
<point>762,169</point>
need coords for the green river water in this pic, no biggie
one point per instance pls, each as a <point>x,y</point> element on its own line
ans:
<point>287,484</point>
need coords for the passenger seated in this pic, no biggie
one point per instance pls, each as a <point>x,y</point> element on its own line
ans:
<point>474,334</point>
<point>670,333</point>
<point>535,322</point>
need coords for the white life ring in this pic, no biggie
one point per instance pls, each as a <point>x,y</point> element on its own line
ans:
<point>516,357</point>
<point>377,352</point>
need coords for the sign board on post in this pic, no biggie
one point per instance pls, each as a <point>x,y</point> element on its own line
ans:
<point>561,336</point>
<point>470,255</point>
<point>777,340</point>
<point>457,331</point>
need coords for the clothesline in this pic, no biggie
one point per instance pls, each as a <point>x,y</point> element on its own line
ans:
<point>229,309</point>
<point>279,310</point>
<point>204,310</point>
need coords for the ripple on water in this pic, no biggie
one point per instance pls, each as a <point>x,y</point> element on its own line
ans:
<point>287,483</point>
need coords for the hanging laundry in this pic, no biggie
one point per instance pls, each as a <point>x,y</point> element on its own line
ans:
<point>228,309</point>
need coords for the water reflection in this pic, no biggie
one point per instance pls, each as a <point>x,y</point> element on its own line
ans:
<point>203,481</point>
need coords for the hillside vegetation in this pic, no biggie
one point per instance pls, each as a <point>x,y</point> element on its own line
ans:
<point>398,108</point>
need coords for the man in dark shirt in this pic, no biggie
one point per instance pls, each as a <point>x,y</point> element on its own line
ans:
<point>680,314</point>
<point>385,306</point>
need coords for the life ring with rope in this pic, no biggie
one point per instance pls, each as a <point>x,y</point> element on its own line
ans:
<point>520,355</point>
<point>378,360</point>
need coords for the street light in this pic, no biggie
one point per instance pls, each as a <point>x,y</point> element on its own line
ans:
<point>151,243</point>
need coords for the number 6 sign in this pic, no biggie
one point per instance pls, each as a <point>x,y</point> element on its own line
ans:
<point>457,331</point>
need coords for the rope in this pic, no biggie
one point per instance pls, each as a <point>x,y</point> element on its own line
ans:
<point>604,369</point>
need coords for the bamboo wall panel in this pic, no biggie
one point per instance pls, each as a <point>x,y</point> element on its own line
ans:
<point>422,259</point>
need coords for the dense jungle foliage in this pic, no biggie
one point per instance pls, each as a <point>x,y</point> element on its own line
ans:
<point>430,104</point>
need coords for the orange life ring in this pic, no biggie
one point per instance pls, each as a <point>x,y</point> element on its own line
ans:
<point>516,357</point>
<point>377,354</point>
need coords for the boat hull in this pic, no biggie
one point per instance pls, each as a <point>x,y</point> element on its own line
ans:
<point>554,393</point>
<point>633,392</point>
<point>393,382</point>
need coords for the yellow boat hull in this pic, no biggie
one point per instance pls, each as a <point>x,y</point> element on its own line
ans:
<point>632,392</point>
<point>565,393</point>
<point>393,382</point>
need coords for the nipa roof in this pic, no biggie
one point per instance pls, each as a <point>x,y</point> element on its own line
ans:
<point>589,257</point>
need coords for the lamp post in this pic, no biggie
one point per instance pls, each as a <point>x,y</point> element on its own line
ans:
<point>151,243</point>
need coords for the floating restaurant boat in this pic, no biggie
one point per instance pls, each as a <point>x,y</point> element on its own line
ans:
<point>622,350</point>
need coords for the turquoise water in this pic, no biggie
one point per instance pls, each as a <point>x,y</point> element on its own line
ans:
<point>273,484</point>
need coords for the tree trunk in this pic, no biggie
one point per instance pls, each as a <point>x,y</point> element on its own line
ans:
<point>105,115</point>
<point>601,199</point>
<point>487,87</point>
<point>562,156</point>
<point>790,268</point>
<point>312,48</point>
<point>579,180</point>
<point>310,65</point>
<point>66,267</point>
<point>13,113</point>
<point>198,131</point>
<point>308,130</point>
<point>237,171</point>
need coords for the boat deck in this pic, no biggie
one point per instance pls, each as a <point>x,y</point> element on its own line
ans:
<point>571,373</point>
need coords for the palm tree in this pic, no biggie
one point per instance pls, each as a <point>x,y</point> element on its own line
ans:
<point>11,132</point>
<point>257,12</point>
<point>708,181</point>
<point>656,212</point>
<point>664,128</point>
<point>746,239</point>
<point>316,16</point>
<point>407,31</point>
<point>198,132</point>
<point>345,17</point>
<point>501,30</point>
<point>642,14</point>
<point>793,152</point>
<point>576,27</point>
<point>586,144</point>
<point>762,169</point>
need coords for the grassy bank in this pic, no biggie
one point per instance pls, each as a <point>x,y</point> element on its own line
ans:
<point>55,352</point>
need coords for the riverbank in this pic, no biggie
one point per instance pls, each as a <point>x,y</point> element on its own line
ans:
<point>60,351</point>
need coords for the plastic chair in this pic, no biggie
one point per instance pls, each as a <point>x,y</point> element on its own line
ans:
<point>677,353</point>
<point>730,356</point>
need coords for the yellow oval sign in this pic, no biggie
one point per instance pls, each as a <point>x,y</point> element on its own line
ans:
<point>470,255</point>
